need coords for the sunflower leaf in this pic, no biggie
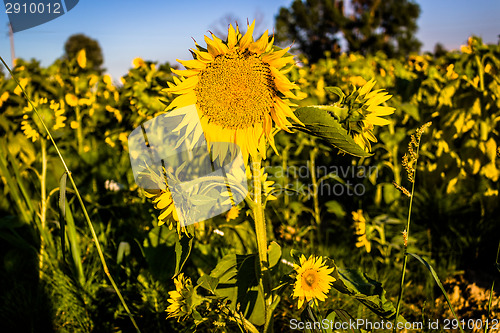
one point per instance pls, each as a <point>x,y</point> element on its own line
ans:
<point>182,250</point>
<point>344,316</point>
<point>239,283</point>
<point>336,91</point>
<point>274,253</point>
<point>208,282</point>
<point>367,291</point>
<point>321,121</point>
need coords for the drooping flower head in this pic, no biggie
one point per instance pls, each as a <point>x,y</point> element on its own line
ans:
<point>162,200</point>
<point>313,280</point>
<point>239,88</point>
<point>183,299</point>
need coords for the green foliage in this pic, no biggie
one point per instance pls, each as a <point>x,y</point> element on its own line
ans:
<point>368,26</point>
<point>455,206</point>
<point>321,122</point>
<point>78,42</point>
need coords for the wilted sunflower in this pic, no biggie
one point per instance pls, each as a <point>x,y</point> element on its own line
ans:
<point>365,111</point>
<point>183,298</point>
<point>239,88</point>
<point>313,280</point>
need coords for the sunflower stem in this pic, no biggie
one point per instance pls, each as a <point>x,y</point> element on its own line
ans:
<point>261,233</point>
<point>43,203</point>
<point>407,230</point>
<point>258,213</point>
<point>315,183</point>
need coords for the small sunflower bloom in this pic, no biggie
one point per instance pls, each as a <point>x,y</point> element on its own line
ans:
<point>360,230</point>
<point>183,299</point>
<point>162,200</point>
<point>51,112</point>
<point>240,90</point>
<point>4,97</point>
<point>365,111</point>
<point>29,131</point>
<point>161,197</point>
<point>81,58</point>
<point>313,280</point>
<point>138,62</point>
<point>267,187</point>
<point>233,213</point>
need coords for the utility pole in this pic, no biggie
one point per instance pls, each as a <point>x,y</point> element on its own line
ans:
<point>12,51</point>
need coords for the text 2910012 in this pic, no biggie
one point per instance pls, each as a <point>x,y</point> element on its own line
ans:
<point>33,8</point>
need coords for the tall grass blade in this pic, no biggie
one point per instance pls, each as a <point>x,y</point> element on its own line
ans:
<point>73,243</point>
<point>78,195</point>
<point>440,285</point>
<point>14,187</point>
<point>62,212</point>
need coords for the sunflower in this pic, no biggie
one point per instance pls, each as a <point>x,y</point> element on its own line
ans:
<point>183,299</point>
<point>51,112</point>
<point>360,230</point>
<point>233,213</point>
<point>266,185</point>
<point>313,280</point>
<point>239,88</point>
<point>365,111</point>
<point>162,200</point>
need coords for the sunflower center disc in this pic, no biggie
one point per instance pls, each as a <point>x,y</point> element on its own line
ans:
<point>236,90</point>
<point>310,278</point>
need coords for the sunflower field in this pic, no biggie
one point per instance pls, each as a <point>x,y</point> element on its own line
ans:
<point>365,199</point>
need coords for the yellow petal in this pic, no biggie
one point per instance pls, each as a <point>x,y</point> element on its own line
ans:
<point>192,64</point>
<point>186,85</point>
<point>247,38</point>
<point>183,100</point>
<point>367,87</point>
<point>281,81</point>
<point>376,120</point>
<point>185,72</point>
<point>231,37</point>
<point>81,58</point>
<point>261,44</point>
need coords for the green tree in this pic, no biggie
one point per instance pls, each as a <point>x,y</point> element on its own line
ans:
<point>93,51</point>
<point>367,26</point>
<point>439,50</point>
<point>313,26</point>
<point>383,25</point>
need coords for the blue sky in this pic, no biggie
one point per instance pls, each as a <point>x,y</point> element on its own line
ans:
<point>162,30</point>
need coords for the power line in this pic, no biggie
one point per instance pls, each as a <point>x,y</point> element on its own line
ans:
<point>12,50</point>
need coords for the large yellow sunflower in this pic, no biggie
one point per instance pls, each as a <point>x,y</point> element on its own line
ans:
<point>239,88</point>
<point>313,280</point>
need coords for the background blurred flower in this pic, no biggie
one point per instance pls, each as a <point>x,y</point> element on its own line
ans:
<point>360,230</point>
